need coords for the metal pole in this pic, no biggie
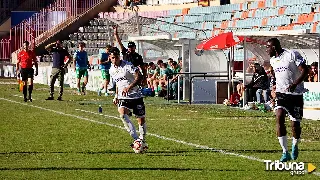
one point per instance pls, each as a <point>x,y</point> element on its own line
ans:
<point>244,67</point>
<point>228,71</point>
<point>183,70</point>
<point>178,89</point>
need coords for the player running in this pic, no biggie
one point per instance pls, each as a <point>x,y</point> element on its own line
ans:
<point>290,70</point>
<point>128,96</point>
<point>80,63</point>
<point>105,65</point>
<point>26,59</point>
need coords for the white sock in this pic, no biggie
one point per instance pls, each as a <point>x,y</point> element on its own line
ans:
<point>295,141</point>
<point>283,143</point>
<point>143,131</point>
<point>129,126</point>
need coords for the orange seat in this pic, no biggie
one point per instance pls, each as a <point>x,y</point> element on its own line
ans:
<point>314,27</point>
<point>254,12</point>
<point>261,4</point>
<point>264,21</point>
<point>281,11</point>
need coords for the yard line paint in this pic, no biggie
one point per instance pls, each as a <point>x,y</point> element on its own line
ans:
<point>150,134</point>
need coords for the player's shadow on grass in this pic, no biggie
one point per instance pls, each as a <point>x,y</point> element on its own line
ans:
<point>109,168</point>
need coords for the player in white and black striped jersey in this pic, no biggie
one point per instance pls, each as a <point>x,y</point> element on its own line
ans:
<point>128,95</point>
<point>290,70</point>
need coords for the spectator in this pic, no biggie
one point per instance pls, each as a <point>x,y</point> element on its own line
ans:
<point>314,72</point>
<point>257,85</point>
<point>173,83</point>
<point>152,69</point>
<point>170,61</point>
<point>240,90</point>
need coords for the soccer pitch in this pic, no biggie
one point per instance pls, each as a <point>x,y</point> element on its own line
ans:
<point>71,140</point>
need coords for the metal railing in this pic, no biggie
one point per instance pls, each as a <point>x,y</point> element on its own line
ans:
<point>184,73</point>
<point>47,22</point>
<point>5,50</point>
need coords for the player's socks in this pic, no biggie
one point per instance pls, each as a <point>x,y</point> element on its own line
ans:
<point>30,89</point>
<point>25,91</point>
<point>295,151</point>
<point>129,126</point>
<point>283,140</point>
<point>143,131</point>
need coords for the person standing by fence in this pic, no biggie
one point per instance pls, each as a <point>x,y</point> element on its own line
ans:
<point>58,67</point>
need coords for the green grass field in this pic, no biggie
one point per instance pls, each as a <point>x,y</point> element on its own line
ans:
<point>70,140</point>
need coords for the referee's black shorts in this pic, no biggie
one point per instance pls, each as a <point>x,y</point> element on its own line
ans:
<point>26,73</point>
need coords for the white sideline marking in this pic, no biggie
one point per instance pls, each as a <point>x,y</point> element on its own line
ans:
<point>150,134</point>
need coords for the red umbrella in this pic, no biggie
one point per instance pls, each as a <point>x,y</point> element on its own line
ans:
<point>221,41</point>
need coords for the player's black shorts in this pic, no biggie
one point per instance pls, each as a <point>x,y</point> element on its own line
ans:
<point>137,105</point>
<point>293,104</point>
<point>26,73</point>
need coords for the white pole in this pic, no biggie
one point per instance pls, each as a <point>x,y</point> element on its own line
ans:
<point>244,67</point>
<point>179,89</point>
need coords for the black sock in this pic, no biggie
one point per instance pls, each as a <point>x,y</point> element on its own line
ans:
<point>30,88</point>
<point>25,91</point>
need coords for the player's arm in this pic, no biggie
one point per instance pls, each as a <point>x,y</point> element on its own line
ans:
<point>117,37</point>
<point>74,59</point>
<point>115,99</point>
<point>304,73</point>
<point>137,79</point>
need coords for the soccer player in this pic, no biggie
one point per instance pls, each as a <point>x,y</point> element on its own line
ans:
<point>290,70</point>
<point>105,65</point>
<point>80,63</point>
<point>26,59</point>
<point>128,96</point>
<point>58,67</point>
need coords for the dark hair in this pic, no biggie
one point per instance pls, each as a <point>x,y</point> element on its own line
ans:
<point>170,59</point>
<point>259,69</point>
<point>151,63</point>
<point>314,64</point>
<point>115,51</point>
<point>82,44</point>
<point>165,65</point>
<point>174,63</point>
<point>159,62</point>
<point>26,42</point>
<point>108,46</point>
<point>275,42</point>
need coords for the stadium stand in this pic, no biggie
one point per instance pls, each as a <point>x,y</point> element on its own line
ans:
<point>200,22</point>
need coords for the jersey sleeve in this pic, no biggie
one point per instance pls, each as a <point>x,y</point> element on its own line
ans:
<point>131,69</point>
<point>298,59</point>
